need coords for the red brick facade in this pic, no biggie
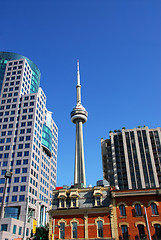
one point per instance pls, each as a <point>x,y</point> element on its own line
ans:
<point>92,226</point>
<point>130,215</point>
<point>145,216</point>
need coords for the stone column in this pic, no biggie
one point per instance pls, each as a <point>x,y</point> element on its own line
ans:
<point>86,225</point>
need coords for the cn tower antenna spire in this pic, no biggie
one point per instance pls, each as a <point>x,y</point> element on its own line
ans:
<point>79,117</point>
<point>78,74</point>
<point>78,85</point>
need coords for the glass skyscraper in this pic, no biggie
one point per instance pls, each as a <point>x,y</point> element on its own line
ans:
<point>28,146</point>
<point>132,158</point>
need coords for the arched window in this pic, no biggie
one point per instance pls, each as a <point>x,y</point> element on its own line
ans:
<point>62,230</point>
<point>74,229</point>
<point>122,210</point>
<point>100,228</point>
<point>138,210</point>
<point>157,231</point>
<point>124,232</point>
<point>141,231</point>
<point>154,209</point>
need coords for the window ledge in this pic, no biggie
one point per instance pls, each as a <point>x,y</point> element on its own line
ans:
<point>155,215</point>
<point>123,217</point>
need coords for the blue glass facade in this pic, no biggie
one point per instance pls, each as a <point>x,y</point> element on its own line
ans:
<point>8,56</point>
<point>47,137</point>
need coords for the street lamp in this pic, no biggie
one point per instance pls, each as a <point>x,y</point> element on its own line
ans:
<point>8,174</point>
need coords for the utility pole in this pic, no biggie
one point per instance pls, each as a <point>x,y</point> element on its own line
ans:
<point>8,174</point>
<point>26,218</point>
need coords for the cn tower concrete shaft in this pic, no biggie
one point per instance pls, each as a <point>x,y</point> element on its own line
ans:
<point>79,116</point>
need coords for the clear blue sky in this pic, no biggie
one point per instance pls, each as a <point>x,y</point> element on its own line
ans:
<point>118,43</point>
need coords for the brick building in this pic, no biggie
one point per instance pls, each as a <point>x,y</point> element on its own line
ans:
<point>137,214</point>
<point>81,213</point>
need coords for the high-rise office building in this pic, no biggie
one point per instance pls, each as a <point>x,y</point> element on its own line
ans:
<point>132,158</point>
<point>28,147</point>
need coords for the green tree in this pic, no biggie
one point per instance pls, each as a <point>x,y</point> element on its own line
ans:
<point>41,233</point>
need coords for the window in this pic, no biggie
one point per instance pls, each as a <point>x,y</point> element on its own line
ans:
<point>23,124</point>
<point>5,163</point>
<point>20,146</point>
<point>100,228</point>
<point>124,232</point>
<point>1,148</point>
<point>27,145</point>
<point>6,155</point>
<point>24,117</point>
<point>12,112</point>
<point>26,153</point>
<point>17,170</point>
<point>7,147</point>
<point>22,198</point>
<point>15,189</point>
<point>74,202</point>
<point>22,131</point>
<point>19,154</point>
<point>29,123</point>
<point>10,125</point>
<point>22,188</point>
<point>24,170</point>
<point>14,198</point>
<point>23,179</point>
<point>16,179</point>
<point>154,209</point>
<point>61,203</point>
<point>62,230</point>
<point>157,231</point>
<point>2,180</point>
<point>74,229</point>
<point>27,232</point>
<point>141,231</point>
<point>97,201</point>
<point>27,138</point>
<point>14,229</point>
<point>25,161</point>
<point>138,210</point>
<point>3,172</point>
<point>24,110</point>
<point>122,210</point>
<point>21,139</point>
<point>30,116</point>
<point>9,133</point>
<point>20,231</point>
<point>18,162</point>
<point>29,130</point>
<point>4,227</point>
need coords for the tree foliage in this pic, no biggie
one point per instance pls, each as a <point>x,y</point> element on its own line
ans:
<point>41,233</point>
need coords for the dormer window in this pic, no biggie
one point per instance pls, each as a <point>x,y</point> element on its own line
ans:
<point>97,201</point>
<point>74,202</point>
<point>97,196</point>
<point>62,203</point>
<point>62,198</point>
<point>74,198</point>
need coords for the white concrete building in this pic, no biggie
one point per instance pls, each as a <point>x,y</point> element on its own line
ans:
<point>132,158</point>
<point>28,146</point>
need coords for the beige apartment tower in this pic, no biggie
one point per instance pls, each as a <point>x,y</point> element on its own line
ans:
<point>131,158</point>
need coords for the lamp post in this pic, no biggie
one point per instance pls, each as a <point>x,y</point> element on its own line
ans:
<point>8,174</point>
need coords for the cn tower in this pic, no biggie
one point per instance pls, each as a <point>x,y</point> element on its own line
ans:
<point>79,117</point>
